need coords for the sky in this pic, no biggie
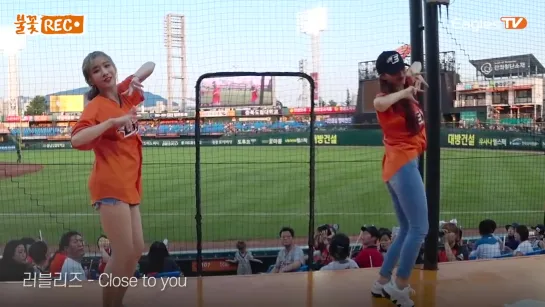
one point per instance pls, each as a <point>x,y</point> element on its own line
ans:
<point>257,36</point>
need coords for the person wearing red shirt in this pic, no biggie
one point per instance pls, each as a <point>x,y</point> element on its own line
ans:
<point>369,255</point>
<point>452,247</point>
<point>109,127</point>
<point>254,94</point>
<point>105,252</point>
<point>402,122</point>
<point>216,94</point>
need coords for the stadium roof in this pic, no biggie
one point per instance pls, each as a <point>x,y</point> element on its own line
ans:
<point>150,98</point>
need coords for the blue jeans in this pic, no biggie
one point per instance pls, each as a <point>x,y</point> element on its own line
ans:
<point>411,208</point>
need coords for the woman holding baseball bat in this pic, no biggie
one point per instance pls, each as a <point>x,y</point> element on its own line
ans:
<point>402,122</point>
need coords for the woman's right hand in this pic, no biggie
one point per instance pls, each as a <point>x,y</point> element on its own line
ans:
<point>126,120</point>
<point>410,93</point>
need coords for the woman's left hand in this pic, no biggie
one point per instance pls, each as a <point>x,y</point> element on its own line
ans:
<point>134,85</point>
<point>419,80</point>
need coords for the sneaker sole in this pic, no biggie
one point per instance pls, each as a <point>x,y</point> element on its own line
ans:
<point>387,295</point>
<point>377,295</point>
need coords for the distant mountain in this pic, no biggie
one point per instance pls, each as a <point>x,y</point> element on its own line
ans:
<point>150,99</point>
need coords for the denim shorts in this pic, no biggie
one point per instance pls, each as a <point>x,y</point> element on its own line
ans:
<point>108,201</point>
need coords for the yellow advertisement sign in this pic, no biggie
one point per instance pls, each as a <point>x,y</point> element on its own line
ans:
<point>66,103</point>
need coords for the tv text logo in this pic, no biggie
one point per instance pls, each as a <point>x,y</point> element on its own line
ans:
<point>514,23</point>
<point>49,25</point>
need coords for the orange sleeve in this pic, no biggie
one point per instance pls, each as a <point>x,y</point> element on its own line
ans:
<point>86,120</point>
<point>56,263</point>
<point>137,96</point>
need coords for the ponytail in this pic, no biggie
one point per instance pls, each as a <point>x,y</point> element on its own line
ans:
<point>92,93</point>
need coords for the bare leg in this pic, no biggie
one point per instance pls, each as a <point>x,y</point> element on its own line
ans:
<point>116,222</point>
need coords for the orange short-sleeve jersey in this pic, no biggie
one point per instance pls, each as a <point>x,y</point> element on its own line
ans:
<point>400,146</point>
<point>117,170</point>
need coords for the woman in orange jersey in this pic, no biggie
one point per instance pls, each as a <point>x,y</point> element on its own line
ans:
<point>109,127</point>
<point>402,124</point>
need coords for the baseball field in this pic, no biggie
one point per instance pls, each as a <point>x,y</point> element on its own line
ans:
<point>250,192</point>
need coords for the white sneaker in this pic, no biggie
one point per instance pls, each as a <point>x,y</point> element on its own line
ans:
<point>376,290</point>
<point>402,298</point>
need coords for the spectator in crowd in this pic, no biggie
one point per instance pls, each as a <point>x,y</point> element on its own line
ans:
<point>66,262</point>
<point>369,255</point>
<point>385,240</point>
<point>159,260</point>
<point>27,242</point>
<point>13,265</point>
<point>539,232</point>
<point>38,253</point>
<point>242,259</point>
<point>291,257</point>
<point>511,242</point>
<point>322,238</point>
<point>452,248</point>
<point>105,251</point>
<point>488,245</point>
<point>522,235</point>
<point>339,249</point>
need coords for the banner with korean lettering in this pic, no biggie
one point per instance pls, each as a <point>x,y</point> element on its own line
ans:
<point>493,140</point>
<point>14,118</point>
<point>323,110</point>
<point>259,112</point>
<point>450,138</point>
<point>218,113</point>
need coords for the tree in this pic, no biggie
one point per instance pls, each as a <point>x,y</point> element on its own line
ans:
<point>348,101</point>
<point>332,103</point>
<point>37,106</point>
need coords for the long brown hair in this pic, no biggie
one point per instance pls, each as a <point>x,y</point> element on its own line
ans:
<point>403,106</point>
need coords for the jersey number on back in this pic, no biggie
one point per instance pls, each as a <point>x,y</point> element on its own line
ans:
<point>420,118</point>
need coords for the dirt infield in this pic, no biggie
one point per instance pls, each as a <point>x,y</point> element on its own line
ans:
<point>10,170</point>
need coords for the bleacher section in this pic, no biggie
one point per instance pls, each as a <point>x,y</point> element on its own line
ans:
<point>207,128</point>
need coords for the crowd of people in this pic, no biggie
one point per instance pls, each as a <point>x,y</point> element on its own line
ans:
<point>27,258</point>
<point>297,124</point>
<point>334,250</point>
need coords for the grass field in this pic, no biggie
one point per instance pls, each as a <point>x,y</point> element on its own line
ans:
<point>250,192</point>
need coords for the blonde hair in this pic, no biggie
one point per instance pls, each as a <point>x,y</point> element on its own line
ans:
<point>86,69</point>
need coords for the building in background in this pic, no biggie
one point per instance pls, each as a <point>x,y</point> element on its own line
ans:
<point>512,91</point>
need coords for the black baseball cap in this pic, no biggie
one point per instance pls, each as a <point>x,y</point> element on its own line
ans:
<point>390,62</point>
<point>372,230</point>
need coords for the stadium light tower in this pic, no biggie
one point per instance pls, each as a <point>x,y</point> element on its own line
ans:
<point>176,60</point>
<point>313,22</point>
<point>11,45</point>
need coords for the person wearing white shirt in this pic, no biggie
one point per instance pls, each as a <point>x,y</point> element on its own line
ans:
<point>525,247</point>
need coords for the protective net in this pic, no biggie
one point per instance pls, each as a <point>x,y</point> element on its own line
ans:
<point>255,153</point>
